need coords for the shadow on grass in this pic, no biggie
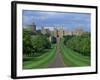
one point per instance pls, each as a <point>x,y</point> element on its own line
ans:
<point>41,61</point>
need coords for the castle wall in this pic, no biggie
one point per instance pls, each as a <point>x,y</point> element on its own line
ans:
<point>59,32</point>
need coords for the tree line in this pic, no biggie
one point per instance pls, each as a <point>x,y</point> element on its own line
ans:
<point>81,44</point>
<point>35,43</point>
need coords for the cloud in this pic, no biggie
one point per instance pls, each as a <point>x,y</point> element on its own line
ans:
<point>27,20</point>
<point>50,28</point>
<point>47,15</point>
<point>57,18</point>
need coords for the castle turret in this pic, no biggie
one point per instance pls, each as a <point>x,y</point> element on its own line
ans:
<point>32,27</point>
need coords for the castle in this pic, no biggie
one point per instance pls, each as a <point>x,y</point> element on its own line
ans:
<point>60,32</point>
<point>57,31</point>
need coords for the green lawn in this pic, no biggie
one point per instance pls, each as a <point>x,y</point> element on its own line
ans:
<point>72,58</point>
<point>41,61</point>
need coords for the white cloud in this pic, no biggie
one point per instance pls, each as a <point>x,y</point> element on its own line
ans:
<point>50,28</point>
<point>47,15</point>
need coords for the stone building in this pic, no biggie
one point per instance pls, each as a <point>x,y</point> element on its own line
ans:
<point>45,31</point>
<point>68,32</point>
<point>32,27</point>
<point>55,32</point>
<point>78,31</point>
<point>60,32</point>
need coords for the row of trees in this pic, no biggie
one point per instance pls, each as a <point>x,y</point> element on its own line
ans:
<point>80,44</point>
<point>34,43</point>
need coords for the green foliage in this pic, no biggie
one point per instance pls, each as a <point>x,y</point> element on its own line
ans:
<point>53,40</point>
<point>47,34</point>
<point>38,32</point>
<point>40,61</point>
<point>30,31</point>
<point>27,47</point>
<point>66,38</point>
<point>39,43</point>
<point>80,44</point>
<point>34,43</point>
<point>72,58</point>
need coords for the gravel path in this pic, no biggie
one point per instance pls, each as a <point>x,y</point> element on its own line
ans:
<point>57,62</point>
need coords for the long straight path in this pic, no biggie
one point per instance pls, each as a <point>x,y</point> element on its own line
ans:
<point>58,61</point>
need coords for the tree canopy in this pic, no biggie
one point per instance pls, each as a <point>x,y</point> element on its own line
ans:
<point>80,44</point>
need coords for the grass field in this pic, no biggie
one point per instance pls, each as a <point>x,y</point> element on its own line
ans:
<point>72,58</point>
<point>41,61</point>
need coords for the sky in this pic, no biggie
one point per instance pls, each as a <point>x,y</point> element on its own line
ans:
<point>69,20</point>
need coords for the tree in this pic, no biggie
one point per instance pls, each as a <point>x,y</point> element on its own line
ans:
<point>66,38</point>
<point>40,42</point>
<point>53,40</point>
<point>27,47</point>
<point>80,44</point>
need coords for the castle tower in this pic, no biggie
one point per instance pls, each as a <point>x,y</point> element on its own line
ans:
<point>32,27</point>
<point>61,32</point>
<point>43,31</point>
<point>55,32</point>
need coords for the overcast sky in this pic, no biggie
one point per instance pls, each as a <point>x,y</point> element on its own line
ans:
<point>50,19</point>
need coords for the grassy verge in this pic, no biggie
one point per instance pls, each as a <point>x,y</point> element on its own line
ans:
<point>41,61</point>
<point>72,58</point>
